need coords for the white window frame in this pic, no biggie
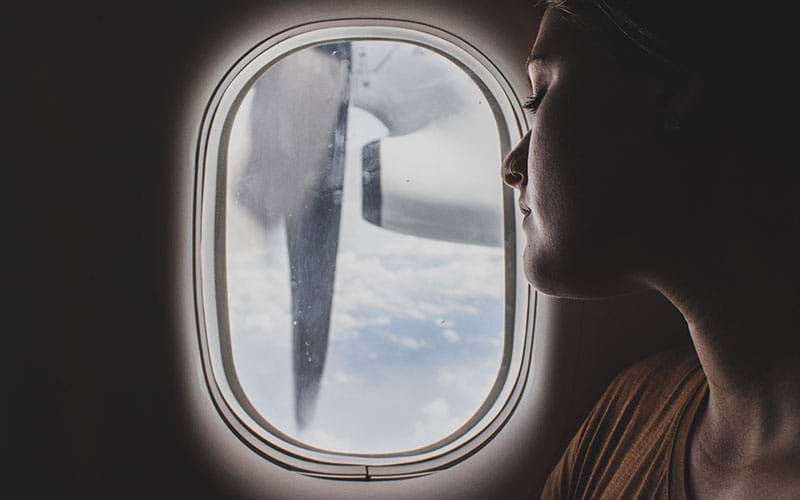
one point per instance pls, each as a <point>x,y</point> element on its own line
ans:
<point>209,263</point>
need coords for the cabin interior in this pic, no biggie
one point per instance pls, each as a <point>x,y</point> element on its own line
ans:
<point>112,395</point>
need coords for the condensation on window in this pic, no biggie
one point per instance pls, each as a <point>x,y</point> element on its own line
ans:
<point>364,249</point>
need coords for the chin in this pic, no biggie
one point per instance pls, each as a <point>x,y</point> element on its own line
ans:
<point>572,276</point>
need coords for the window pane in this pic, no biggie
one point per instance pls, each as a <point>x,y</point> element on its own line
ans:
<point>363,244</point>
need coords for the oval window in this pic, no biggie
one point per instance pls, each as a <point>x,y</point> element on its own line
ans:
<point>363,251</point>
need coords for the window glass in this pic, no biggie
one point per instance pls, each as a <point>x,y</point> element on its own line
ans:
<point>363,247</point>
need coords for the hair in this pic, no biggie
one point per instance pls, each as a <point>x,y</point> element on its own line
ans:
<point>744,54</point>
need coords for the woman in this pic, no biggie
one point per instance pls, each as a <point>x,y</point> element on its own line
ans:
<point>659,158</point>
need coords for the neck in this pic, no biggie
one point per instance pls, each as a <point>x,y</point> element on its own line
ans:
<point>744,326</point>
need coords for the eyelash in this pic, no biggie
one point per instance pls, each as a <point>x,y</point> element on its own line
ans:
<point>532,103</point>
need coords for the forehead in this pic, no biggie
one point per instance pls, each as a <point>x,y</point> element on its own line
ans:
<point>562,36</point>
<point>553,31</point>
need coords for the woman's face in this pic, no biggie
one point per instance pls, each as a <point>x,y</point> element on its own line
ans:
<point>594,169</point>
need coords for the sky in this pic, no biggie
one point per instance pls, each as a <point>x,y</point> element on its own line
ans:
<point>417,330</point>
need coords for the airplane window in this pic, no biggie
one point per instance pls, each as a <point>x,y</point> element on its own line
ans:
<point>361,249</point>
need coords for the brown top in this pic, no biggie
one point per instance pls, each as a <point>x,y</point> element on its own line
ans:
<point>633,444</point>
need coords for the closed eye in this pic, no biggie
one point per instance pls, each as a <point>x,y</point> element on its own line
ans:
<point>532,103</point>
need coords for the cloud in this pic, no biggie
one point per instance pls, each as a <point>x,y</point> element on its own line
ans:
<point>451,335</point>
<point>407,341</point>
<point>432,417</point>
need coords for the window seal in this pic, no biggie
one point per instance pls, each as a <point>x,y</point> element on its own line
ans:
<point>209,286</point>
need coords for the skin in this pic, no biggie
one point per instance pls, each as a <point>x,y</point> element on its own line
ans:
<point>706,216</point>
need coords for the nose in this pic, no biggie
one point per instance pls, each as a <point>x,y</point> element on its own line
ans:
<point>515,166</point>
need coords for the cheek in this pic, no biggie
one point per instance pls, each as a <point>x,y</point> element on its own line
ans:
<point>589,166</point>
<point>591,161</point>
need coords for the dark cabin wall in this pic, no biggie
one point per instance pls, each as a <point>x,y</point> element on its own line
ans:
<point>93,374</point>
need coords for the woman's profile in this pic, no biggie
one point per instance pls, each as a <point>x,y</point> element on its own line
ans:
<point>660,156</point>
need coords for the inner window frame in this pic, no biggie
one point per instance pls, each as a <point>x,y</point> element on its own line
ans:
<point>210,264</point>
